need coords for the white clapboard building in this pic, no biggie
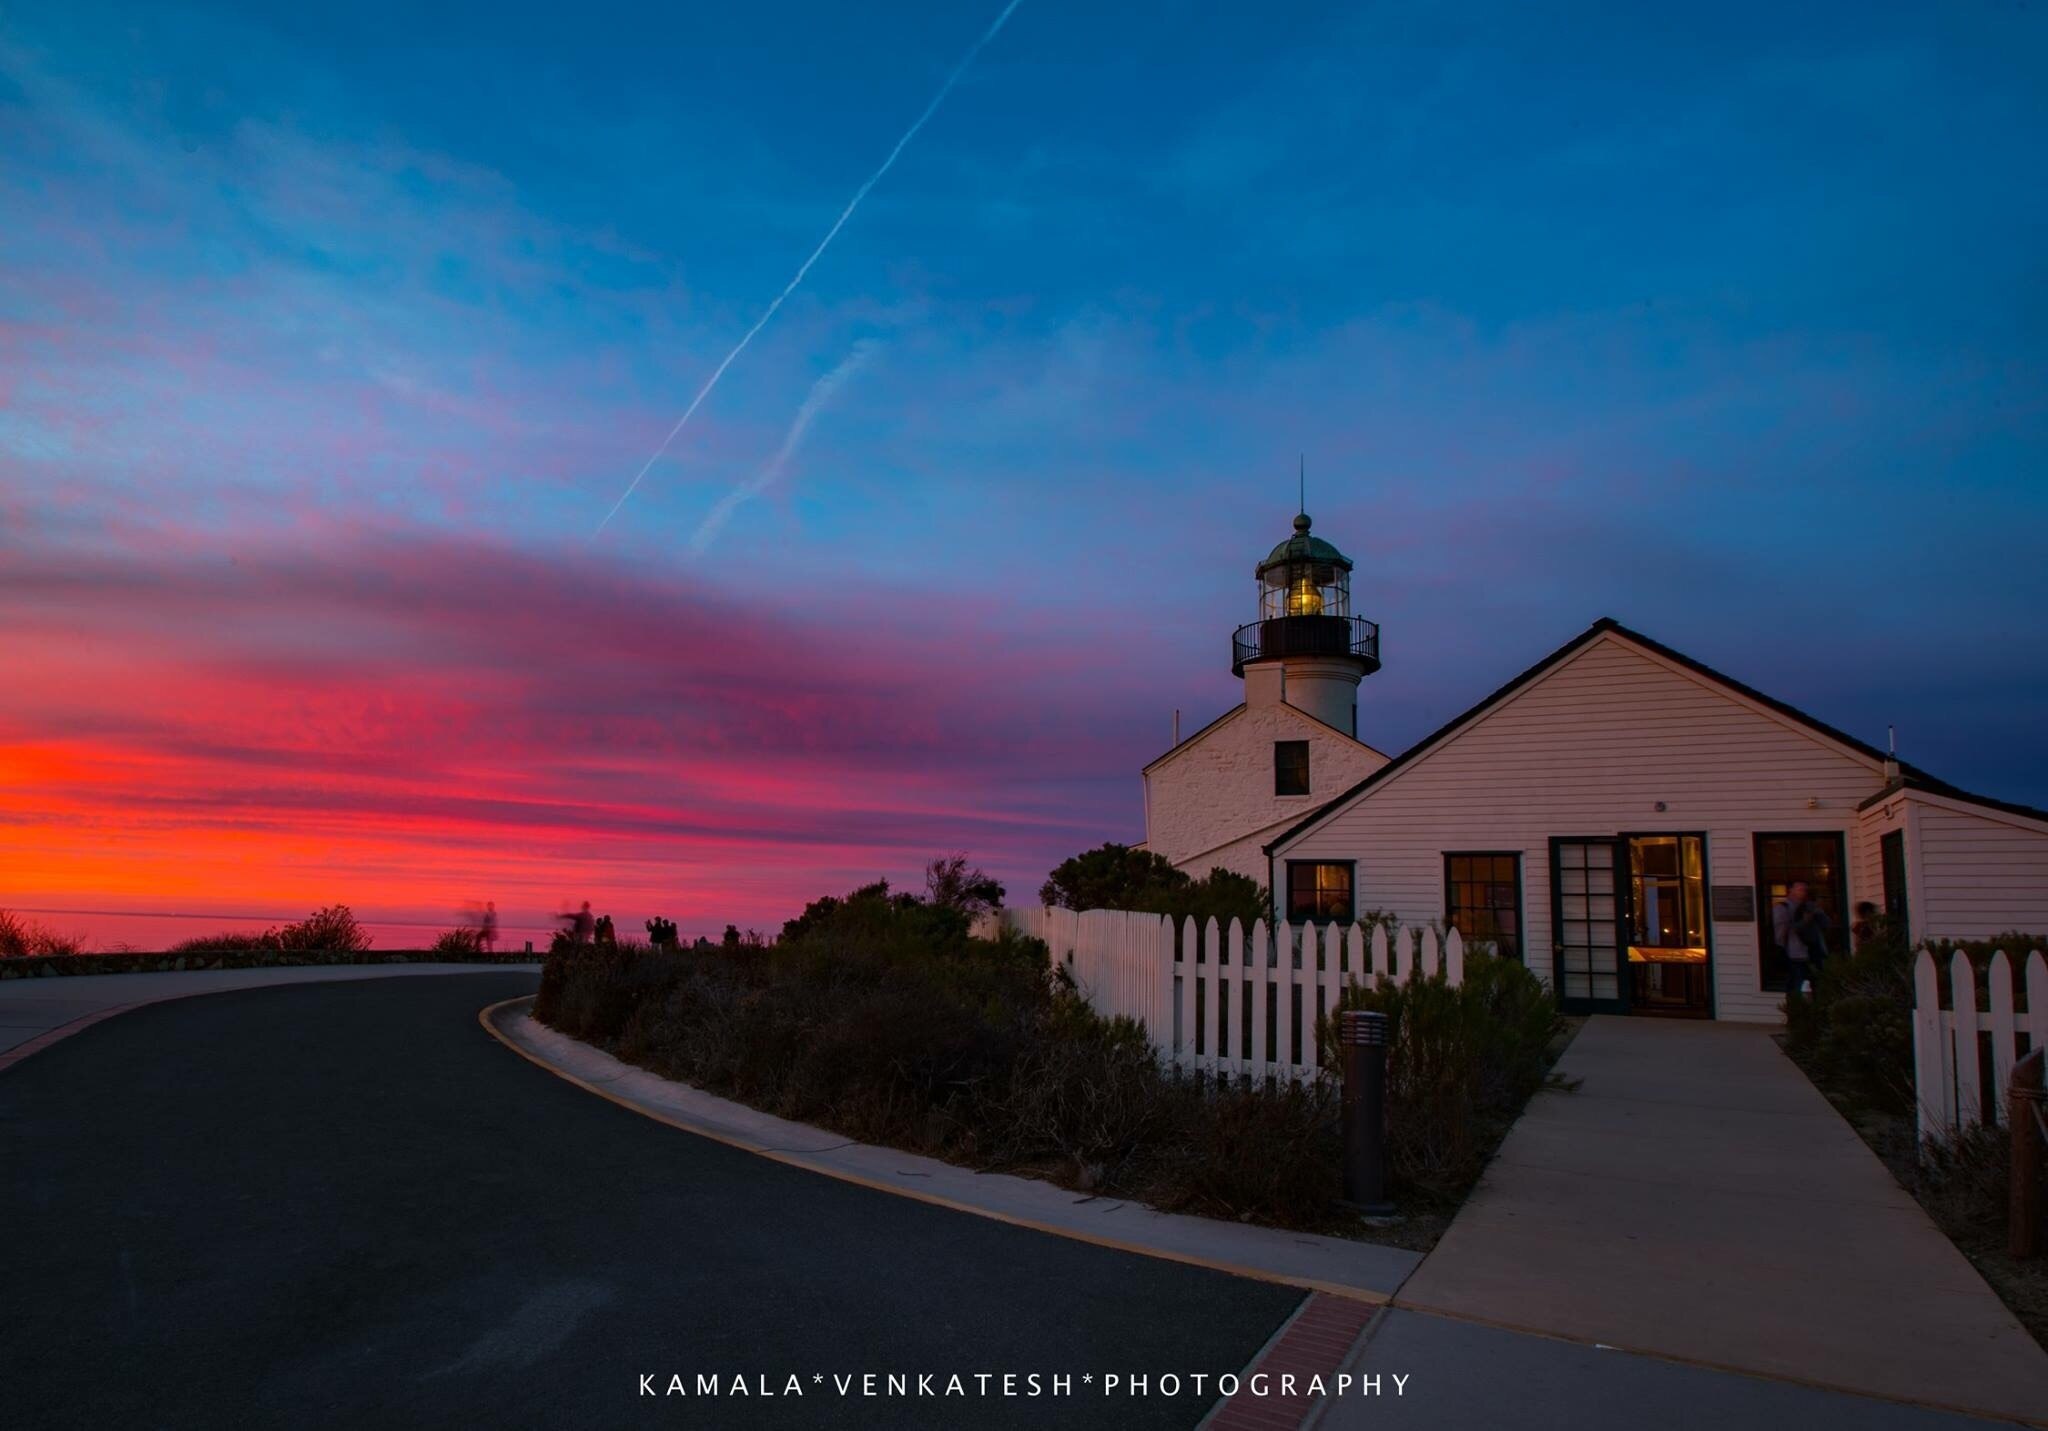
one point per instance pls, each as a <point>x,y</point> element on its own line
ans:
<point>1619,816</point>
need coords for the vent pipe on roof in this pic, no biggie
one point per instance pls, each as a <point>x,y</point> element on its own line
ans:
<point>1891,755</point>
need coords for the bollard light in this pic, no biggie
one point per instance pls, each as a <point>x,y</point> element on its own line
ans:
<point>1362,1034</point>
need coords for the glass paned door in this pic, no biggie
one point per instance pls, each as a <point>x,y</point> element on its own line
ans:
<point>1586,925</point>
<point>1668,958</point>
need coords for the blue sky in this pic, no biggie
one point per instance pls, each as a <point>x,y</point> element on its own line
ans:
<point>1725,322</point>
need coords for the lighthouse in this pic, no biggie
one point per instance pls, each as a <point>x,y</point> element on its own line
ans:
<point>1214,799</point>
<point>1307,646</point>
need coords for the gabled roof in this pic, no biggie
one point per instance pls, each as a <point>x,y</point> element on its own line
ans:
<point>1604,626</point>
<point>1237,709</point>
<point>1912,780</point>
<point>1183,745</point>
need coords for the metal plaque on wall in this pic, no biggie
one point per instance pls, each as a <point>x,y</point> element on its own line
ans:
<point>1734,903</point>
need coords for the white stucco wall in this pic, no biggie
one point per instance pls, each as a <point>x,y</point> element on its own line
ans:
<point>1589,749</point>
<point>1211,801</point>
<point>1327,689</point>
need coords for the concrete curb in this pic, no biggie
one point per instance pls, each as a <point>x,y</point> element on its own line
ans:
<point>1360,1271</point>
<point>63,1031</point>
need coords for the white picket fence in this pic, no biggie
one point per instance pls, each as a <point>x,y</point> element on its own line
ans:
<point>1227,1001</point>
<point>1948,1064</point>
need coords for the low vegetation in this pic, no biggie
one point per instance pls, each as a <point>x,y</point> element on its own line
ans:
<point>459,944</point>
<point>877,1015</point>
<point>1854,1038</point>
<point>1462,1060</point>
<point>22,938</point>
<point>330,930</point>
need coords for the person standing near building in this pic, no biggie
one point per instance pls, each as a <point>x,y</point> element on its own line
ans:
<point>1792,925</point>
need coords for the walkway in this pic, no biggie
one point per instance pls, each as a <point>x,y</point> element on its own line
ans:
<point>1698,1199</point>
<point>33,1009</point>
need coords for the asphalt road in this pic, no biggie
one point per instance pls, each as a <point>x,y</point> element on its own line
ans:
<point>345,1204</point>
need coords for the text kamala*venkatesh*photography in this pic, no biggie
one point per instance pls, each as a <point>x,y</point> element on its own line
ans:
<point>1020,1384</point>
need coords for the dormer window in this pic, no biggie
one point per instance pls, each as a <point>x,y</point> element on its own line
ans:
<point>1290,767</point>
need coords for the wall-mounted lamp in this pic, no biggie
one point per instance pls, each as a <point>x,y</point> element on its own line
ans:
<point>1660,807</point>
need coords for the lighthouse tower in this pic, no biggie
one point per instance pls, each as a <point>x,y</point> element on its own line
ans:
<point>1306,648</point>
<point>1213,800</point>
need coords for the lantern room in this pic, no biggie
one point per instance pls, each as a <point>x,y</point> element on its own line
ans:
<point>1304,576</point>
<point>1305,624</point>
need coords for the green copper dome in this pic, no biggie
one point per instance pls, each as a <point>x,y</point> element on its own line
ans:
<point>1301,547</point>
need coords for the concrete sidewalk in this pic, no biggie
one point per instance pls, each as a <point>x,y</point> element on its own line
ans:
<point>1698,1199</point>
<point>1360,1270</point>
<point>1460,1375</point>
<point>32,1009</point>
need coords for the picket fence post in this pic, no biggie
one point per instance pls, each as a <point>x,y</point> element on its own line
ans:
<point>1184,989</point>
<point>1232,1044</point>
<point>1969,1083</point>
<point>1260,998</point>
<point>1286,987</point>
<point>1934,1103</point>
<point>2004,1028</point>
<point>1308,1054</point>
<point>2037,1000</point>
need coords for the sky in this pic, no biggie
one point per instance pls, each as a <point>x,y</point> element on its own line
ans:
<point>330,334</point>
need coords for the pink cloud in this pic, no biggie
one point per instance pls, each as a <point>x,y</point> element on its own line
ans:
<point>404,722</point>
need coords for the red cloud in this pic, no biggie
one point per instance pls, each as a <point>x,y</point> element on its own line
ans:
<point>406,723</point>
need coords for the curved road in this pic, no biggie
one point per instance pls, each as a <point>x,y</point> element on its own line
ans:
<point>345,1204</point>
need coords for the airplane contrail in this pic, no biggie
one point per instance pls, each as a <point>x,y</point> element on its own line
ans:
<point>814,401</point>
<point>823,243</point>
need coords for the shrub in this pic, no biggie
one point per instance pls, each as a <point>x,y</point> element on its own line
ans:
<point>25,939</point>
<point>264,943</point>
<point>951,883</point>
<point>332,930</point>
<point>459,943</point>
<point>1856,1033</point>
<point>1965,1181</point>
<point>876,1015</point>
<point>1114,876</point>
<point>1461,1062</point>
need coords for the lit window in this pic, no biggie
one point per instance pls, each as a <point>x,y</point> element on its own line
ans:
<point>1319,892</point>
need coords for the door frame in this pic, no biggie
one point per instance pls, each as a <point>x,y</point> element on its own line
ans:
<point>1706,914</point>
<point>1889,840</point>
<point>1620,1003</point>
